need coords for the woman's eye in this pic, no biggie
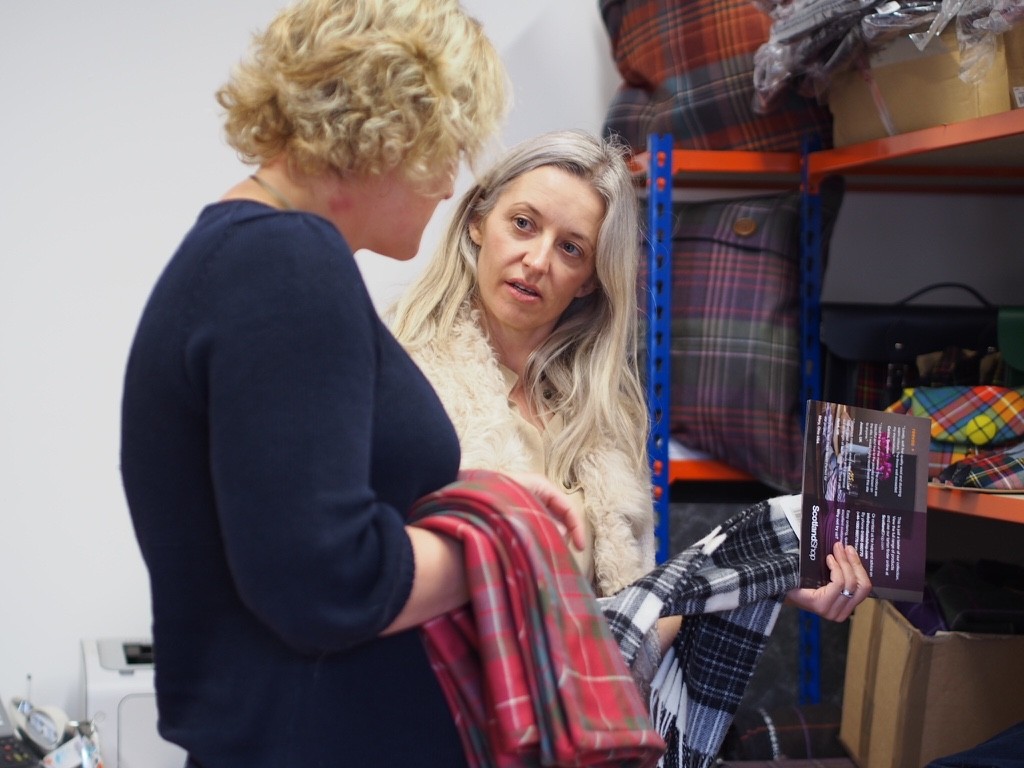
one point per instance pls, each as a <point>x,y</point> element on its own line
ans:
<point>521,222</point>
<point>572,249</point>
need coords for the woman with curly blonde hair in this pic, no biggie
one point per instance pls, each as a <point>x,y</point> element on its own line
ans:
<point>266,408</point>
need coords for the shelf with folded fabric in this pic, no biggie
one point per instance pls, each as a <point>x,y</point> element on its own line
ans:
<point>982,155</point>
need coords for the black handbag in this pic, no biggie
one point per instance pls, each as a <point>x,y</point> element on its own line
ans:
<point>887,339</point>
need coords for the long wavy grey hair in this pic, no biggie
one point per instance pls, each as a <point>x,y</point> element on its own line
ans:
<point>587,368</point>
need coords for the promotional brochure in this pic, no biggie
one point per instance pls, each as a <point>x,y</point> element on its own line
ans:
<point>865,483</point>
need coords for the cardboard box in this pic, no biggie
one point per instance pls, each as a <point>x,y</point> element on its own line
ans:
<point>1014,44</point>
<point>919,88</point>
<point>909,699</point>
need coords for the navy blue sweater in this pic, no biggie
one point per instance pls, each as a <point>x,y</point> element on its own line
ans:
<point>274,436</point>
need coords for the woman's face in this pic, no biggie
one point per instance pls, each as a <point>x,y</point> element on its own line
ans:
<point>537,254</point>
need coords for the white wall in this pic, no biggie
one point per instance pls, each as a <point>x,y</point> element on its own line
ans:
<point>111,143</point>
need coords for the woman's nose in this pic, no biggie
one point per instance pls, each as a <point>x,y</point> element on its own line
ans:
<point>449,188</point>
<point>538,257</point>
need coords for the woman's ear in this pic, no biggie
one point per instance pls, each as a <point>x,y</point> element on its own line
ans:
<point>475,233</point>
<point>587,288</point>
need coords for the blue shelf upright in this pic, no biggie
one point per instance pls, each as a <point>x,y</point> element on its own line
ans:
<point>659,233</point>
<point>810,388</point>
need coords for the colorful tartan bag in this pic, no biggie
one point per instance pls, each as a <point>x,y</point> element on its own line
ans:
<point>965,420</point>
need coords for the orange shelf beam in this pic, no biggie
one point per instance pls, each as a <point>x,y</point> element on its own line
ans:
<point>734,161</point>
<point>877,152</point>
<point>725,163</point>
<point>878,157</point>
<point>704,470</point>
<point>994,506</point>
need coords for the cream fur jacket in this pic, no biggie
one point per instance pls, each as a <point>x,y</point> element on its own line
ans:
<point>617,504</point>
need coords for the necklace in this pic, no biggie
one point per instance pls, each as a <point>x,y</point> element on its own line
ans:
<point>278,197</point>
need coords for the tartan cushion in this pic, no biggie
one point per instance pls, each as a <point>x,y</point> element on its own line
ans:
<point>735,332</point>
<point>688,71</point>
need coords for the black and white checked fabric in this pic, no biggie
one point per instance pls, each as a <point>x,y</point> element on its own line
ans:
<point>729,586</point>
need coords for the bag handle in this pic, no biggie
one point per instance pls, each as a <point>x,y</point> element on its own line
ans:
<point>938,286</point>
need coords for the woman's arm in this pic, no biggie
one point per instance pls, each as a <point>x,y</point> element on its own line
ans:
<point>829,602</point>
<point>439,581</point>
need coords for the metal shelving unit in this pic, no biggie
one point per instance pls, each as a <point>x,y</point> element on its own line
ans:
<point>983,155</point>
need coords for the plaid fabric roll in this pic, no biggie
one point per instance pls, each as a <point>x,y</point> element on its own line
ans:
<point>531,671</point>
<point>729,587</point>
<point>996,470</point>
<point>943,455</point>
<point>688,71</point>
<point>536,673</point>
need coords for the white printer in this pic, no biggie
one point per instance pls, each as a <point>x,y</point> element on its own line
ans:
<point>118,695</point>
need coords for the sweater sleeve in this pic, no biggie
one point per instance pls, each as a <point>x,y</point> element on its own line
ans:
<point>283,347</point>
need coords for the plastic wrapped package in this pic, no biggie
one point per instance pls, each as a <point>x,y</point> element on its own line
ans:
<point>1002,15</point>
<point>977,45</point>
<point>978,26</point>
<point>848,53</point>
<point>779,64</point>
<point>809,39</point>
<point>947,12</point>
<point>803,17</point>
<point>897,18</point>
<point>773,70</point>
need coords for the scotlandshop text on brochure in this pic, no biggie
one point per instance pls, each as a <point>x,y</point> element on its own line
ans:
<point>865,483</point>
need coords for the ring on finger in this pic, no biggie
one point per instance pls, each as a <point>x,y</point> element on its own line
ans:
<point>846,593</point>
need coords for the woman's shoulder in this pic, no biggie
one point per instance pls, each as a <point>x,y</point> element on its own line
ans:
<point>243,235</point>
<point>253,221</point>
<point>245,253</point>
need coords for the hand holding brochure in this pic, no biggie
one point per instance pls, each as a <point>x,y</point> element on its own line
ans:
<point>866,484</point>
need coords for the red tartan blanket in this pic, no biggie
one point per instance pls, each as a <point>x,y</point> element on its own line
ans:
<point>531,670</point>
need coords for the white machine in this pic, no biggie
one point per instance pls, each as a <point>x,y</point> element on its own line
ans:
<point>118,695</point>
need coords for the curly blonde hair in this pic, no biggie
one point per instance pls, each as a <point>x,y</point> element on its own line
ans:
<point>361,87</point>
